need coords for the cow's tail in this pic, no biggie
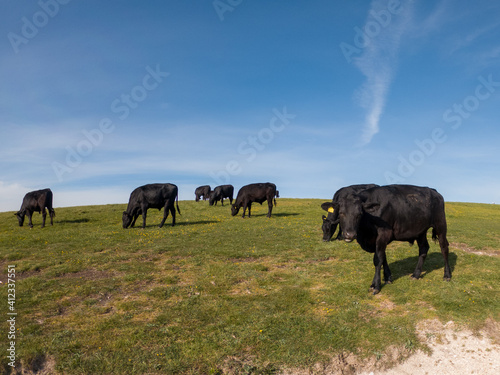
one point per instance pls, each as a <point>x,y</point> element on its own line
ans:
<point>177,203</point>
<point>434,234</point>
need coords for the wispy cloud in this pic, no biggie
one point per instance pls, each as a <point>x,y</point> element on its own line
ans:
<point>379,61</point>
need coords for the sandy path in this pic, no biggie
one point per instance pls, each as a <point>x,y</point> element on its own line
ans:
<point>454,352</point>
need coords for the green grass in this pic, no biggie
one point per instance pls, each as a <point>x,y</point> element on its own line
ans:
<point>217,293</point>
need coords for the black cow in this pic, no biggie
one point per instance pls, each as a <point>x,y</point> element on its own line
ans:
<point>151,196</point>
<point>36,201</point>
<point>202,191</point>
<point>221,192</point>
<point>254,193</point>
<point>331,220</point>
<point>377,216</point>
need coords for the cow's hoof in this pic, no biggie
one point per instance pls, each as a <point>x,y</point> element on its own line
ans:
<point>446,278</point>
<point>374,290</point>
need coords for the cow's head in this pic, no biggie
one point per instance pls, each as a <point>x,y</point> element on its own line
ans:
<point>211,198</point>
<point>234,209</point>
<point>350,213</point>
<point>127,219</point>
<point>331,221</point>
<point>20,217</point>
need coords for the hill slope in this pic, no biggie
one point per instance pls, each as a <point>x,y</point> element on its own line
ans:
<point>220,294</point>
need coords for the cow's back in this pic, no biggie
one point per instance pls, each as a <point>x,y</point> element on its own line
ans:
<point>257,192</point>
<point>408,210</point>
<point>350,190</point>
<point>152,195</point>
<point>36,201</point>
<point>228,190</point>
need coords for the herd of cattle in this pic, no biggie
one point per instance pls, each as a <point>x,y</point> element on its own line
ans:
<point>373,215</point>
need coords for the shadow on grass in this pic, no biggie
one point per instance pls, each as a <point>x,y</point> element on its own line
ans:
<point>196,222</point>
<point>75,221</point>
<point>433,262</point>
<point>177,223</point>
<point>279,214</point>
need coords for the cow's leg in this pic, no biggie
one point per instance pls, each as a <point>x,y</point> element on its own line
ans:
<point>52,213</point>
<point>134,218</point>
<point>166,209</point>
<point>270,206</point>
<point>249,209</point>
<point>44,216</point>
<point>144,215</point>
<point>385,265</point>
<point>339,234</point>
<point>423,249</point>
<point>335,218</point>
<point>135,214</point>
<point>172,210</point>
<point>222,201</point>
<point>29,214</point>
<point>443,243</point>
<point>379,261</point>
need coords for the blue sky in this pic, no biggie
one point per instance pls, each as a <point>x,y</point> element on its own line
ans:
<point>99,97</point>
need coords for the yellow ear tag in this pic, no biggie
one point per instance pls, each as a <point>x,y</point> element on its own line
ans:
<point>331,210</point>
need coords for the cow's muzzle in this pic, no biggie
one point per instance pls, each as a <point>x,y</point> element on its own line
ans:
<point>349,237</point>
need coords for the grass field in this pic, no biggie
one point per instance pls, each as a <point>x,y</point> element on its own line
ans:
<point>220,294</point>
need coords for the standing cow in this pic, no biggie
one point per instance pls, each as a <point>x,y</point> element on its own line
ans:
<point>221,192</point>
<point>151,196</point>
<point>331,220</point>
<point>202,191</point>
<point>377,216</point>
<point>36,201</point>
<point>254,193</point>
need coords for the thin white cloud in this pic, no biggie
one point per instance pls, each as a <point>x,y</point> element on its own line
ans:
<point>379,61</point>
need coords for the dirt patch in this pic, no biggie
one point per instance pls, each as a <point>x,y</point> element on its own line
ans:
<point>88,274</point>
<point>471,250</point>
<point>40,365</point>
<point>451,351</point>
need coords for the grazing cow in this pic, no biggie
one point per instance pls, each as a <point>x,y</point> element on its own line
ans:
<point>221,192</point>
<point>202,191</point>
<point>377,216</point>
<point>151,196</point>
<point>36,201</point>
<point>331,220</point>
<point>254,193</point>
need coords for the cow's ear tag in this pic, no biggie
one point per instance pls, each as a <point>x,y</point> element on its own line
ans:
<point>331,210</point>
